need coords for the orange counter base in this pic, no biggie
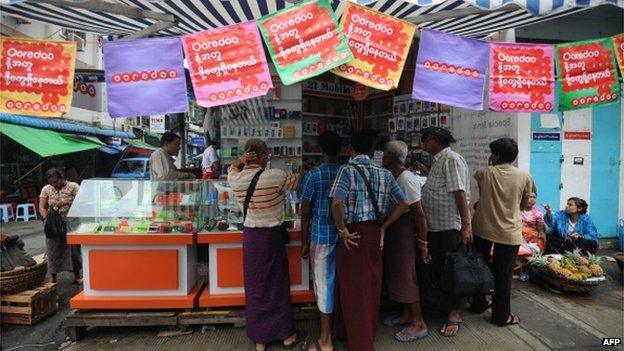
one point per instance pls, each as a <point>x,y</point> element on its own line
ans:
<point>80,301</point>
<point>229,300</point>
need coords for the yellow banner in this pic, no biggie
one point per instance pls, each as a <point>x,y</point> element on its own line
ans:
<point>379,44</point>
<point>37,76</point>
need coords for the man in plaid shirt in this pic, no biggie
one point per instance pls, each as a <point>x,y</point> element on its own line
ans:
<point>445,198</point>
<point>362,217</point>
<point>316,208</point>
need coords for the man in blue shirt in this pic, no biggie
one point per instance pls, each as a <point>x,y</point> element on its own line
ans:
<point>316,209</point>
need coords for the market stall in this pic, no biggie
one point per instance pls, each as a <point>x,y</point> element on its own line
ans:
<point>138,242</point>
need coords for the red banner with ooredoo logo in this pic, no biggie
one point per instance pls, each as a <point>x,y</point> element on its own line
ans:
<point>37,76</point>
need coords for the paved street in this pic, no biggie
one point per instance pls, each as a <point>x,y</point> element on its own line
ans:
<point>549,322</point>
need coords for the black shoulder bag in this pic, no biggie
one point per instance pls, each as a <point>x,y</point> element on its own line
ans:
<point>250,192</point>
<point>371,193</point>
<point>54,226</point>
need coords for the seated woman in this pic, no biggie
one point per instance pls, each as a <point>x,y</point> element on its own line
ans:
<point>572,228</point>
<point>533,228</point>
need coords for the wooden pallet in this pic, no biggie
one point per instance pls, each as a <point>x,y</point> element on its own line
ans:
<point>29,306</point>
<point>77,321</point>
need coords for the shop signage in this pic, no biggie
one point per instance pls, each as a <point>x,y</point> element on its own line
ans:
<point>447,77</point>
<point>37,76</point>
<point>145,77</point>
<point>322,86</point>
<point>618,44</point>
<point>157,124</point>
<point>198,141</point>
<point>89,96</point>
<point>577,135</point>
<point>547,136</point>
<point>586,74</point>
<point>522,78</point>
<point>227,64</point>
<point>304,40</point>
<point>379,44</point>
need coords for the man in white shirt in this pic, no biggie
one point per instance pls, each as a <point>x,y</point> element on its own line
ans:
<point>210,161</point>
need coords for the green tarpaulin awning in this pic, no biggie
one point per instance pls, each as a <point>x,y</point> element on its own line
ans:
<point>47,142</point>
<point>143,145</point>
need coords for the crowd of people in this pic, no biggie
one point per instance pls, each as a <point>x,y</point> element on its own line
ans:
<point>367,227</point>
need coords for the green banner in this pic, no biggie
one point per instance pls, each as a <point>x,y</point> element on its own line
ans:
<point>586,74</point>
<point>304,40</point>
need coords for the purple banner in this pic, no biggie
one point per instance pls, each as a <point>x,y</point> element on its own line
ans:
<point>450,70</point>
<point>145,77</point>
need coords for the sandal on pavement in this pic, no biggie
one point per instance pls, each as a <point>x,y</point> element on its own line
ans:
<point>300,336</point>
<point>393,322</point>
<point>512,320</point>
<point>317,346</point>
<point>406,335</point>
<point>450,323</point>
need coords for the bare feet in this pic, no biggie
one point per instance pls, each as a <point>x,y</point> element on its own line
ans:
<point>260,347</point>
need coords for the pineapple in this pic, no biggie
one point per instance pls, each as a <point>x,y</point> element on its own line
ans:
<point>578,258</point>
<point>594,265</point>
<point>565,273</point>
<point>538,260</point>
<point>585,270</point>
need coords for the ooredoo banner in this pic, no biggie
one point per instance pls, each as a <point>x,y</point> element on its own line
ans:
<point>227,64</point>
<point>586,74</point>
<point>145,77</point>
<point>451,70</point>
<point>522,78</point>
<point>618,44</point>
<point>379,44</point>
<point>304,40</point>
<point>37,76</point>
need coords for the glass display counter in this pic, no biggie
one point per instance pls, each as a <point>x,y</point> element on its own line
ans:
<point>138,242</point>
<point>222,232</point>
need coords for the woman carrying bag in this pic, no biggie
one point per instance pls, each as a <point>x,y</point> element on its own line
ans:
<point>54,203</point>
<point>497,222</point>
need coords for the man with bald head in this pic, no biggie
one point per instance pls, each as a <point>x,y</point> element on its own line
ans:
<point>261,192</point>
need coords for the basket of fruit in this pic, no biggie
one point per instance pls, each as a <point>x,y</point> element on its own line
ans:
<point>571,271</point>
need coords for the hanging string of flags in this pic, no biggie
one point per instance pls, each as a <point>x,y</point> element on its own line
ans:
<point>228,64</point>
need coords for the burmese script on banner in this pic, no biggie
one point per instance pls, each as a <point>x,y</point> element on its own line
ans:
<point>379,43</point>
<point>304,40</point>
<point>37,77</point>
<point>522,78</point>
<point>586,74</point>
<point>227,64</point>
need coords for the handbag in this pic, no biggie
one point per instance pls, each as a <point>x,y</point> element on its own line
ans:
<point>466,274</point>
<point>249,194</point>
<point>54,226</point>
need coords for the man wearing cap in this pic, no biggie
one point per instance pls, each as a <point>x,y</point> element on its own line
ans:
<point>445,198</point>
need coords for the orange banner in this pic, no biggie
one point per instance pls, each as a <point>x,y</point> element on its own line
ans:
<point>379,44</point>
<point>37,77</point>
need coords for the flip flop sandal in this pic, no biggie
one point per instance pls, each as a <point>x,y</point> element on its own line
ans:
<point>448,323</point>
<point>392,322</point>
<point>300,337</point>
<point>515,320</point>
<point>411,336</point>
<point>317,346</point>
